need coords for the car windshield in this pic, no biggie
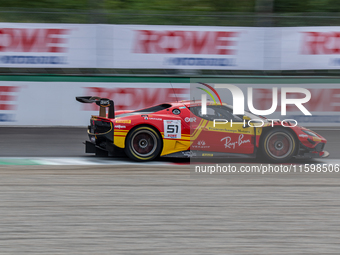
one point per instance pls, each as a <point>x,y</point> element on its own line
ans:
<point>249,114</point>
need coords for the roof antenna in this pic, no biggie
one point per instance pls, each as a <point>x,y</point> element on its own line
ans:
<point>174,91</point>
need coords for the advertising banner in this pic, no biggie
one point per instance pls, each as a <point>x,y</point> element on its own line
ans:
<point>323,105</point>
<point>25,45</point>
<point>30,45</point>
<point>186,47</point>
<point>310,48</point>
<point>54,104</point>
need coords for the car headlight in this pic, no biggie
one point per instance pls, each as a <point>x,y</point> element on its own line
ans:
<point>310,133</point>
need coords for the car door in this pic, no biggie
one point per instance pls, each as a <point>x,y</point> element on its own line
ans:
<point>220,131</point>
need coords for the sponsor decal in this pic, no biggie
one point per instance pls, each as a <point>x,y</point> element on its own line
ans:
<point>189,154</point>
<point>123,121</point>
<point>201,142</point>
<point>119,126</point>
<point>192,119</point>
<point>172,129</point>
<point>155,119</point>
<point>244,131</point>
<point>303,135</point>
<point>200,145</point>
<point>207,154</point>
<point>316,139</point>
<point>182,107</point>
<point>231,145</point>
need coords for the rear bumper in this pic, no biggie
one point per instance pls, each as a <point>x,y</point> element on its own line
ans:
<point>101,138</point>
<point>105,149</point>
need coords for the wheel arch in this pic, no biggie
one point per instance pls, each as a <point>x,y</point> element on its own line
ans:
<point>267,129</point>
<point>145,125</point>
<point>290,130</point>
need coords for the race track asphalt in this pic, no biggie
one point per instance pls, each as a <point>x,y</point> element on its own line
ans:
<point>158,209</point>
<point>67,142</point>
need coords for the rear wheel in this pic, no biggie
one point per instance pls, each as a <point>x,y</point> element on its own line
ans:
<point>279,145</point>
<point>143,143</point>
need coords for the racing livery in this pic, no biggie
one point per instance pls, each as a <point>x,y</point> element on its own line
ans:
<point>179,129</point>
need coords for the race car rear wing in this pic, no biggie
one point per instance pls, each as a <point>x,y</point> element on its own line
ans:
<point>103,103</point>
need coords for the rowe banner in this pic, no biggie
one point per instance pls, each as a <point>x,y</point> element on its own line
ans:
<point>53,103</point>
<point>184,47</point>
<point>48,103</point>
<point>310,48</point>
<point>25,45</point>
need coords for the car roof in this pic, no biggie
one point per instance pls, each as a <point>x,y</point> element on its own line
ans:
<point>192,103</point>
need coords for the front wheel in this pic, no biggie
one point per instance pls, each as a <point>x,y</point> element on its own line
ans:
<point>278,145</point>
<point>143,144</point>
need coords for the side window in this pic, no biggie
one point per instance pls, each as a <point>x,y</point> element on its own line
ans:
<point>215,112</point>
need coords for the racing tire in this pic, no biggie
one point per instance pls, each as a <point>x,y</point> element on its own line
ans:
<point>143,143</point>
<point>278,145</point>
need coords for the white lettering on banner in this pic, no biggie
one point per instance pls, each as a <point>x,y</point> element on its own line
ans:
<point>185,42</point>
<point>120,126</point>
<point>172,129</point>
<point>231,145</point>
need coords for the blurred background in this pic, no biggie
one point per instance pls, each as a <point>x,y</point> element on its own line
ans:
<point>243,13</point>
<point>131,50</point>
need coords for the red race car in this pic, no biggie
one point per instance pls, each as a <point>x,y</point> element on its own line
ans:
<point>179,129</point>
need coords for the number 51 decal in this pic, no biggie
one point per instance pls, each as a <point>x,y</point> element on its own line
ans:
<point>172,129</point>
